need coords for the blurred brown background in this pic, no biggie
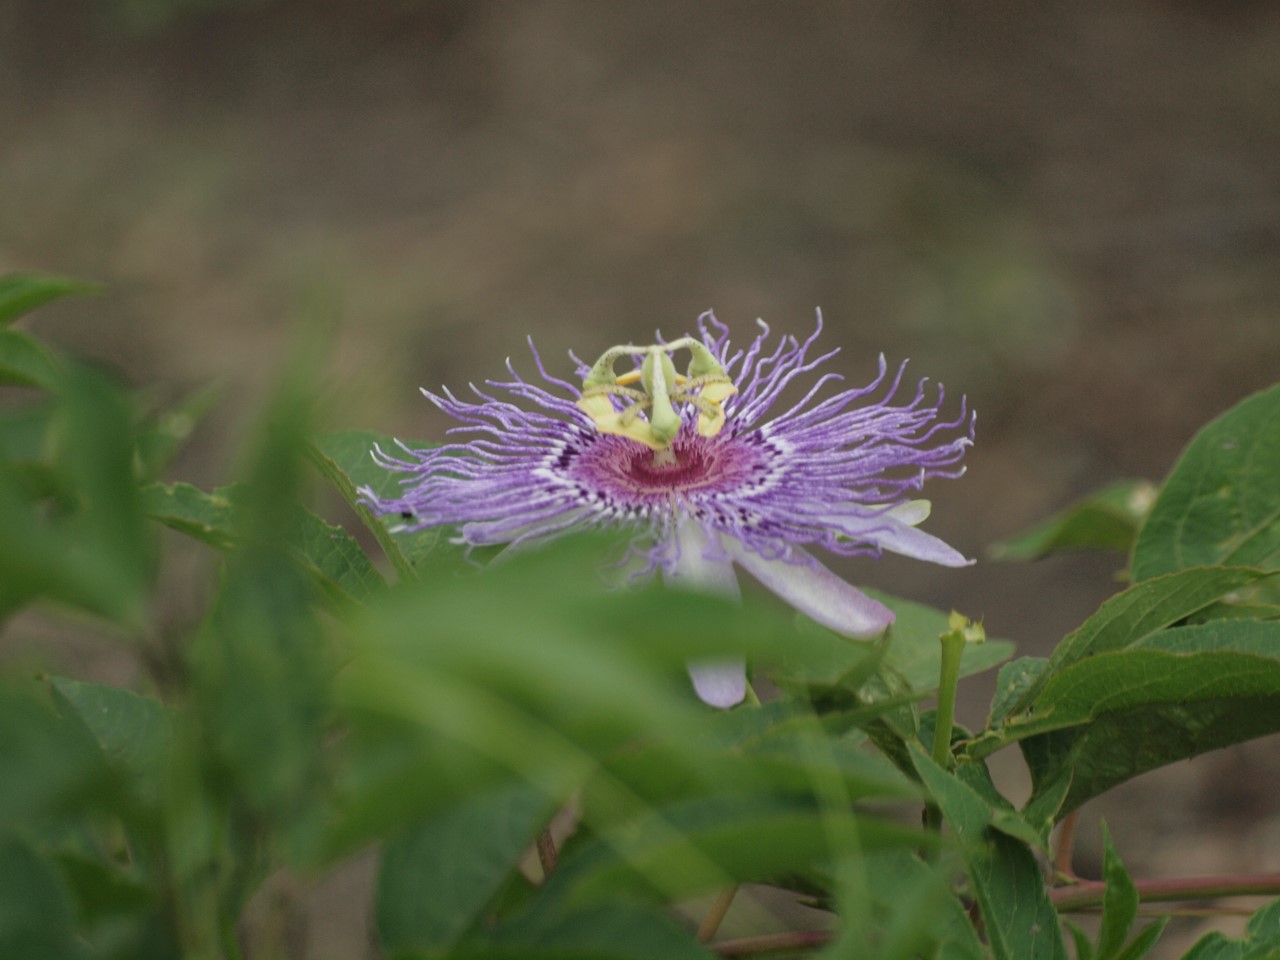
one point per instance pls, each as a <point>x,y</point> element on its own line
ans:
<point>1068,210</point>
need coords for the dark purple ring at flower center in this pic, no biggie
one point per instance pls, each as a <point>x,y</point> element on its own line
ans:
<point>634,477</point>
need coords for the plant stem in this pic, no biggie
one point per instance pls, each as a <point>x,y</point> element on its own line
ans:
<point>1088,893</point>
<point>944,717</point>
<point>1066,844</point>
<point>711,922</point>
<point>953,643</point>
<point>547,855</point>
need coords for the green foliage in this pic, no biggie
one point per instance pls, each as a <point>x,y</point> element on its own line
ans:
<point>444,711</point>
<point>1221,503</point>
<point>1106,520</point>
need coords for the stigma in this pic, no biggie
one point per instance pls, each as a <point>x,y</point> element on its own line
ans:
<point>648,411</point>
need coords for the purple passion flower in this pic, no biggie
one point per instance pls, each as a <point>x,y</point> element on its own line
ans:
<point>694,464</point>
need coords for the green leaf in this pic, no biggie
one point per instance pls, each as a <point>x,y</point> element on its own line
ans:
<point>207,517</point>
<point>345,459</point>
<point>37,917</point>
<point>925,917</point>
<point>1119,903</point>
<point>25,362</point>
<point>90,549</point>
<point>1179,693</point>
<point>50,763</point>
<point>437,878</point>
<point>708,843</point>
<point>20,293</point>
<point>1260,942</point>
<point>1141,945</point>
<point>1221,504</point>
<point>1014,682</point>
<point>132,731</point>
<point>1106,520</point>
<point>1140,612</point>
<point>328,552</point>
<point>1020,921</point>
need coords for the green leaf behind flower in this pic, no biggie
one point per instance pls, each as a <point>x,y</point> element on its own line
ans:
<point>1108,519</point>
<point>20,293</point>
<point>345,459</point>
<point>1221,503</point>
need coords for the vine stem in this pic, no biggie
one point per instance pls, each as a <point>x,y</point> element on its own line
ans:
<point>547,854</point>
<point>711,922</point>
<point>1062,856</point>
<point>715,916</point>
<point>1084,895</point>
<point>1088,893</point>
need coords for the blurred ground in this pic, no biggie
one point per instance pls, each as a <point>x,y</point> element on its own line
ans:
<point>1070,211</point>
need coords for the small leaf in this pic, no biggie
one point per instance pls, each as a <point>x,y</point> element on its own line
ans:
<point>1119,903</point>
<point>20,293</point>
<point>1141,945</point>
<point>1106,520</point>
<point>133,731</point>
<point>1221,503</point>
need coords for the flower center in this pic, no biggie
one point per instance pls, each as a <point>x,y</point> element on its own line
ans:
<point>645,408</point>
<point>665,471</point>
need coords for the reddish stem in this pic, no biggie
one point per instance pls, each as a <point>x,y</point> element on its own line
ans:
<point>1089,893</point>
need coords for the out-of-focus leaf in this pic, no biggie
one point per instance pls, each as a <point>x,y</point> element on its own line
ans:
<point>103,893</point>
<point>207,517</point>
<point>133,731</point>
<point>437,878</point>
<point>1106,520</point>
<point>96,453</point>
<point>706,844</point>
<point>345,459</point>
<point>163,434</point>
<point>925,917</point>
<point>532,666</point>
<point>37,917</point>
<point>25,362</point>
<point>1019,918</point>
<point>92,551</point>
<point>49,763</point>
<point>20,293</point>
<point>615,931</point>
<point>1221,503</point>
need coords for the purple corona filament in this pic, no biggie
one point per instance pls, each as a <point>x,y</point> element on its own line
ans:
<point>835,470</point>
